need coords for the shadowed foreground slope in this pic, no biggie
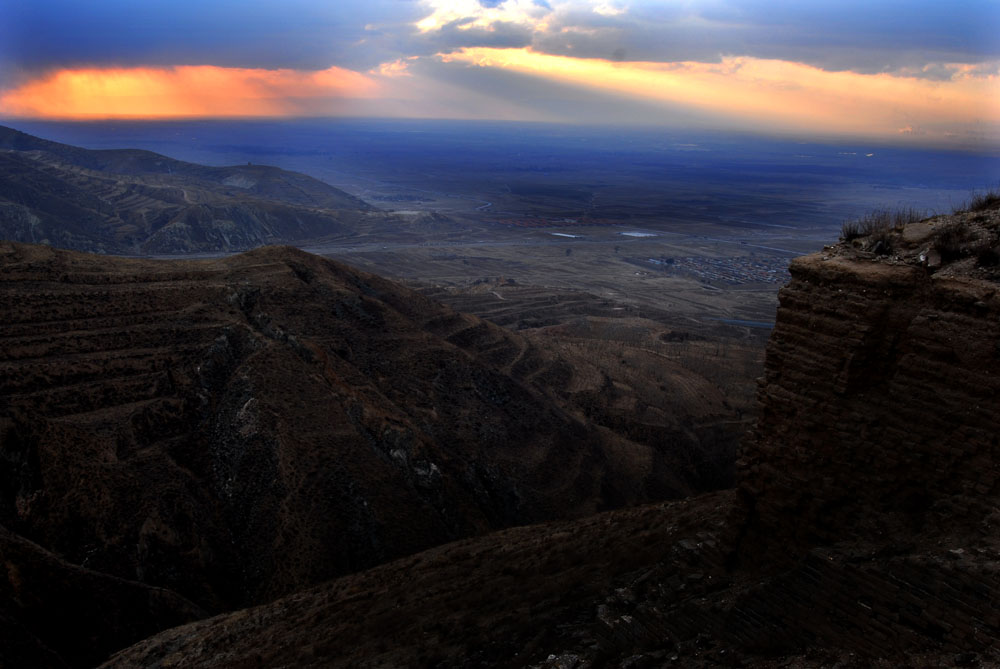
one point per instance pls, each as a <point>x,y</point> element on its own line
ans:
<point>236,430</point>
<point>863,531</point>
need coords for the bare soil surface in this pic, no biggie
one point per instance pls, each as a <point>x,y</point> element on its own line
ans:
<point>234,430</point>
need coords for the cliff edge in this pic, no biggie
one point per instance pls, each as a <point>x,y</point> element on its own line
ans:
<point>880,412</point>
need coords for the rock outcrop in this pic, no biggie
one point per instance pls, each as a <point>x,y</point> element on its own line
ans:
<point>880,403</point>
<point>863,531</point>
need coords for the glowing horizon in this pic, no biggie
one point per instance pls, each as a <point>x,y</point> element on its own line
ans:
<point>762,93</point>
<point>189,91</point>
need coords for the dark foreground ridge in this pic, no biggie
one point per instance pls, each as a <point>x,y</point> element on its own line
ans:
<point>863,530</point>
<point>183,438</point>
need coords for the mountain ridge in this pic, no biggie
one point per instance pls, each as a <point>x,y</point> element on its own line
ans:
<point>139,202</point>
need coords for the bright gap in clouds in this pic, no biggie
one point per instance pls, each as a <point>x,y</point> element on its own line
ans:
<point>774,94</point>
<point>473,14</point>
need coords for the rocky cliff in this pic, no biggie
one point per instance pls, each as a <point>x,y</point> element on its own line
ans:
<point>871,479</point>
<point>863,531</point>
<point>880,402</point>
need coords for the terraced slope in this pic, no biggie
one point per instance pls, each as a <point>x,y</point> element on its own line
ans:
<point>238,429</point>
<point>629,363</point>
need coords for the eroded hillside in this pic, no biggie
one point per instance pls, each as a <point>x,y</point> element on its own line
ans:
<point>214,434</point>
<point>863,530</point>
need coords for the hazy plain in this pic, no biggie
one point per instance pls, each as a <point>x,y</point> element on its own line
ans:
<point>699,226</point>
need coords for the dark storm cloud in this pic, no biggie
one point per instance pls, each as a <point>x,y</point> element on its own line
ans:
<point>303,34</point>
<point>865,37</point>
<point>501,34</point>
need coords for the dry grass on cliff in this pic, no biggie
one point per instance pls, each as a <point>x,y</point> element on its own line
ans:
<point>878,225</point>
<point>957,240</point>
<point>880,220</point>
<point>966,242</point>
<point>973,232</point>
<point>981,201</point>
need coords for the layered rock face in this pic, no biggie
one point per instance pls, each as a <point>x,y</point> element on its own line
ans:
<point>881,403</point>
<point>871,479</point>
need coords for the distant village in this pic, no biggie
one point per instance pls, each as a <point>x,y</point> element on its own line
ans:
<point>733,271</point>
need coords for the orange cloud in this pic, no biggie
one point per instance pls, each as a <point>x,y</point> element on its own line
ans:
<point>395,68</point>
<point>184,91</point>
<point>771,93</point>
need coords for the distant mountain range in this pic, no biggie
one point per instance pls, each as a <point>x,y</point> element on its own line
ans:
<point>138,202</point>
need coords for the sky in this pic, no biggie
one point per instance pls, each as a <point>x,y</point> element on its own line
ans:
<point>919,71</point>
